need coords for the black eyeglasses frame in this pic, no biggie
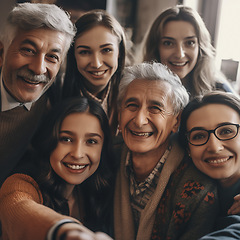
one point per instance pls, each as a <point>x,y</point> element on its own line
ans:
<point>213,131</point>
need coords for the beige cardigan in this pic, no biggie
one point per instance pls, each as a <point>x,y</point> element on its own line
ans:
<point>123,218</point>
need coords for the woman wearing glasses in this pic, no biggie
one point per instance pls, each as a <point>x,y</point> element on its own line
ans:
<point>210,131</point>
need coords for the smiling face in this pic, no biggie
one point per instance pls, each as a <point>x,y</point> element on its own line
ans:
<point>178,48</point>
<point>217,159</point>
<point>31,63</point>
<point>96,52</point>
<point>78,152</point>
<point>146,118</point>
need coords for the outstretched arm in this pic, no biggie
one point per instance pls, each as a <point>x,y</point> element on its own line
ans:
<point>23,215</point>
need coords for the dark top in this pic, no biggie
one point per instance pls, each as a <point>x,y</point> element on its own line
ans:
<point>230,229</point>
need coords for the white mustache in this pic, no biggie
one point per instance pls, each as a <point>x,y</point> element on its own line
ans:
<point>32,77</point>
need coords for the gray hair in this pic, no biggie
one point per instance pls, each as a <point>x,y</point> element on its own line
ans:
<point>155,71</point>
<point>30,16</point>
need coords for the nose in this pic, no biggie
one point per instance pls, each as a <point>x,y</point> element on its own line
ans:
<point>77,150</point>
<point>214,145</point>
<point>180,51</point>
<point>38,65</point>
<point>96,61</point>
<point>141,118</point>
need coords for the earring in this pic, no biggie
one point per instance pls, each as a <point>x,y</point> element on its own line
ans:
<point>119,131</point>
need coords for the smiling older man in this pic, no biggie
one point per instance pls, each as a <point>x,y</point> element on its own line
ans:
<point>33,45</point>
<point>159,193</point>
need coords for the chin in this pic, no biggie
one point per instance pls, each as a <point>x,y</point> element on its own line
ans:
<point>140,150</point>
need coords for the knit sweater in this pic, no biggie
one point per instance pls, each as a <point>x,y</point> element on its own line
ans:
<point>22,213</point>
<point>17,126</point>
<point>189,206</point>
<point>123,217</point>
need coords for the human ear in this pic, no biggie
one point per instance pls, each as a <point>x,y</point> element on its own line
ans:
<point>177,122</point>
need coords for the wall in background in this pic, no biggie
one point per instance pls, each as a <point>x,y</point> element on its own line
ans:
<point>146,13</point>
<point>5,6</point>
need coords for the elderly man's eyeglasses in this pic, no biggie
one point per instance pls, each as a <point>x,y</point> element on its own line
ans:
<point>199,136</point>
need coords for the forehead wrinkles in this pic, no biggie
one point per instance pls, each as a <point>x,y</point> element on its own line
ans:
<point>160,92</point>
<point>161,89</point>
<point>151,92</point>
<point>148,88</point>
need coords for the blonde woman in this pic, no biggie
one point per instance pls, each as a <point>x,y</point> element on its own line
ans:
<point>179,39</point>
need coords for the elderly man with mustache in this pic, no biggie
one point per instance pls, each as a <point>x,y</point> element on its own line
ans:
<point>32,47</point>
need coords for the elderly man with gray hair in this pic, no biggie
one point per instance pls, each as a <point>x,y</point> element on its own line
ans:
<point>33,45</point>
<point>159,194</point>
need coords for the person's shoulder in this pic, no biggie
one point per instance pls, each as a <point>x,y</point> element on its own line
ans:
<point>194,188</point>
<point>23,184</point>
<point>17,180</point>
<point>187,173</point>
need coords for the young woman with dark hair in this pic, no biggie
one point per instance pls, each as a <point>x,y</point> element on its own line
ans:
<point>96,60</point>
<point>71,173</point>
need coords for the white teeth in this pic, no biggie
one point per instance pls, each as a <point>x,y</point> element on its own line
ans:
<point>179,64</point>
<point>141,134</point>
<point>218,160</point>
<point>75,167</point>
<point>98,73</point>
<point>30,82</point>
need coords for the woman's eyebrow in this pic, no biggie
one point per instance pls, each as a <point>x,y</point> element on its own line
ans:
<point>94,135</point>
<point>83,46</point>
<point>105,45</point>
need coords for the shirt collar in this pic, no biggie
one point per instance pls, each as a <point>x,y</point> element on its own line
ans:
<point>129,164</point>
<point>100,100</point>
<point>8,102</point>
